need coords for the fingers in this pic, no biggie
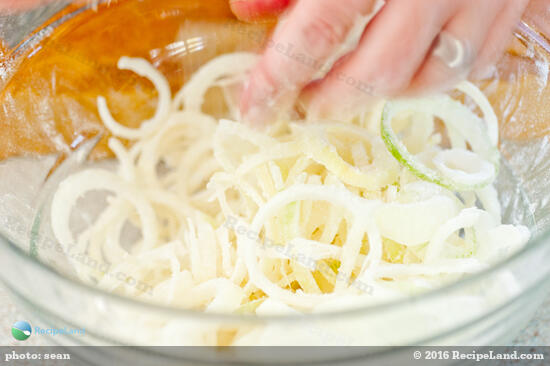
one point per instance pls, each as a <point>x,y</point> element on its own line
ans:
<point>458,45</point>
<point>499,37</point>
<point>301,45</point>
<point>393,47</point>
<point>249,10</point>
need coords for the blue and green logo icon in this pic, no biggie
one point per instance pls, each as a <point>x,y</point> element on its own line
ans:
<point>21,330</point>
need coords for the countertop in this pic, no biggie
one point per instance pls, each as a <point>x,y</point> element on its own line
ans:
<point>537,333</point>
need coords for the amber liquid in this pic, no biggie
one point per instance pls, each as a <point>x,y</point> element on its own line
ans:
<point>49,104</point>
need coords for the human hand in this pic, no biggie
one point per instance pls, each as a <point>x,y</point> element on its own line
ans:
<point>411,46</point>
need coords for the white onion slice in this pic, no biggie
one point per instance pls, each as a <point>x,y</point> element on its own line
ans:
<point>145,69</point>
<point>360,208</point>
<point>192,94</point>
<point>467,218</point>
<point>465,167</point>
<point>414,223</point>
<point>488,112</point>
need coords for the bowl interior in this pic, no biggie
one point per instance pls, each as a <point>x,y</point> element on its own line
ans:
<point>51,126</point>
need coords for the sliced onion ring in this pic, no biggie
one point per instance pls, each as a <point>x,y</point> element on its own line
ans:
<point>465,167</point>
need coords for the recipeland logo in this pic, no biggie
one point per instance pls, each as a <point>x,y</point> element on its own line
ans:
<point>21,330</point>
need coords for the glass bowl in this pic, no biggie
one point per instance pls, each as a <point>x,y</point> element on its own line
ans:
<point>53,68</point>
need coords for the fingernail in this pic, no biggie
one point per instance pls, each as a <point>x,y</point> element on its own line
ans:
<point>257,101</point>
<point>255,112</point>
<point>255,117</point>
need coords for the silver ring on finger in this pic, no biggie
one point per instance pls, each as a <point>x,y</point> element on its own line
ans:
<point>454,53</point>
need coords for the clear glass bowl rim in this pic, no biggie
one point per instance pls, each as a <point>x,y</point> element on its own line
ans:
<point>523,31</point>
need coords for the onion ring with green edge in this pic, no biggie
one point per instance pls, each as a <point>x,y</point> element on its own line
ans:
<point>454,115</point>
